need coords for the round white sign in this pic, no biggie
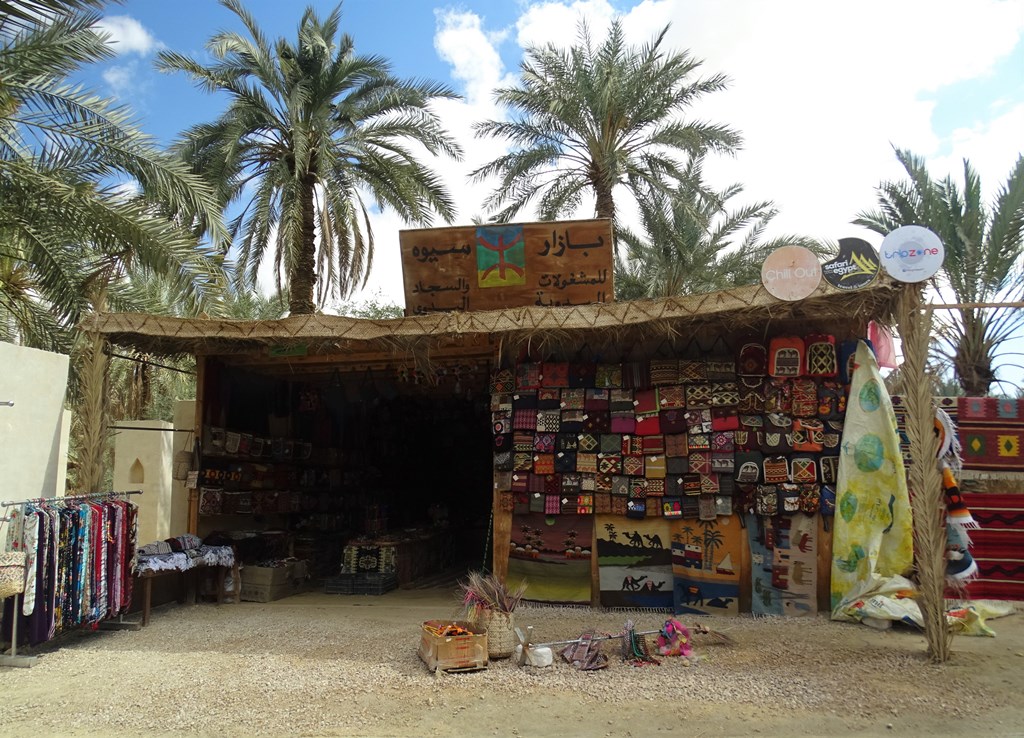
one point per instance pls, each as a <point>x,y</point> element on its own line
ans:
<point>912,253</point>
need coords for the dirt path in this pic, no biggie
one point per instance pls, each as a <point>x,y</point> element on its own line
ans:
<point>319,664</point>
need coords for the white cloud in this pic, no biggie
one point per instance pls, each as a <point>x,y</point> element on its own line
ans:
<point>127,35</point>
<point>121,78</point>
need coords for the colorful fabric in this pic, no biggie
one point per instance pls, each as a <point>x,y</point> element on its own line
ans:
<point>784,571</point>
<point>996,545</point>
<point>635,558</point>
<point>706,558</point>
<point>991,434</point>
<point>872,537</point>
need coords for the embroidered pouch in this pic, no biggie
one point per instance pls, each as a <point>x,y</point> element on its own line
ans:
<point>586,463</point>
<point>603,482</point>
<point>827,502</point>
<point>706,509</point>
<point>833,435</point>
<point>751,395</point>
<point>553,484</point>
<point>725,394</point>
<point>554,374</point>
<point>633,445</point>
<point>620,486</point>
<point>652,445</point>
<point>608,376</point>
<point>677,465</point>
<point>549,421</point>
<point>831,401</point>
<point>609,464</point>
<point>610,443</point>
<point>502,381</point>
<point>544,443</point>
<point>597,421</point>
<point>690,507</point>
<point>648,425</point>
<point>624,422</point>
<point>520,503</point>
<point>752,359</point>
<point>672,507</point>
<point>778,433</point>
<point>503,422</point>
<point>585,504</point>
<point>722,442</point>
<point>572,399</point>
<point>520,481</point>
<point>572,483</point>
<point>565,461</point>
<point>789,499</point>
<point>503,481</point>
<point>636,375</point>
<point>503,461</point>
<point>808,434</point>
<point>536,502</point>
<point>502,442</point>
<point>645,402</point>
<point>535,483</point>
<point>691,484</point>
<point>805,398</point>
<point>723,505</point>
<point>748,466</point>
<point>567,442</point>
<point>778,396</point>
<point>637,488</point>
<point>552,505</point>
<point>655,486</point>
<point>636,508</point>
<point>672,397</point>
<point>692,371</point>
<point>621,401</point>
<point>698,420</point>
<point>726,484</point>
<point>588,482</point>
<point>211,501</point>
<point>829,469</point>
<point>619,505</point>
<point>522,462</point>
<point>698,441</point>
<point>721,364</point>
<point>699,395</point>
<point>572,421</point>
<point>676,445</point>
<point>588,443</point>
<point>673,421</point>
<point>501,402</point>
<point>786,356</point>
<point>709,484</point>
<point>633,465</point>
<point>596,399</point>
<point>582,374</point>
<point>654,467</point>
<point>766,500</point>
<point>776,469</point>
<point>664,371</point>
<point>544,464</point>
<point>527,376</point>
<point>602,503</point>
<point>549,399</point>
<point>810,498</point>
<point>821,356</point>
<point>803,469</point>
<point>700,462</point>
<point>524,400</point>
<point>724,419</point>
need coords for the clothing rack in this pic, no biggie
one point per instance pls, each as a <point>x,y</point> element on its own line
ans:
<point>66,498</point>
<point>12,658</point>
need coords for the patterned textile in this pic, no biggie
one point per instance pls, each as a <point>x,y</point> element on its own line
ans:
<point>588,442</point>
<point>527,376</point>
<point>621,401</point>
<point>633,465</point>
<point>693,370</point>
<point>805,398</point>
<point>602,503</point>
<point>586,463</point>
<point>996,545</point>
<point>676,445</point>
<point>624,422</point>
<point>620,486</point>
<point>544,464</point>
<point>699,395</point>
<point>549,421</point>
<point>673,421</point>
<point>821,356</point>
<point>664,372</point>
<point>654,467</point>
<point>596,399</point>
<point>786,356</point>
<point>549,399</point>
<point>610,443</point>
<point>648,425</point>
<point>672,397</point>
<point>502,380</point>
<point>554,374</point>
<point>992,436</point>
<point>608,376</point>
<point>573,399</point>
<point>785,582</point>
<point>544,443</point>
<point>706,565</point>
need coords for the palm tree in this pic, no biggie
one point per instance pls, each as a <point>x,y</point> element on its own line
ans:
<point>591,118</point>
<point>692,243</point>
<point>67,228</point>
<point>309,126</point>
<point>712,540</point>
<point>983,248</point>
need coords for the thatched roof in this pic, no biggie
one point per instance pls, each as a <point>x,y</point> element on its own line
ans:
<point>728,310</point>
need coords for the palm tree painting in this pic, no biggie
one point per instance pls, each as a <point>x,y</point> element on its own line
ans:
<point>712,540</point>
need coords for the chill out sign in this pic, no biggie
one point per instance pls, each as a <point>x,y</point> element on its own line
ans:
<point>791,273</point>
<point>912,253</point>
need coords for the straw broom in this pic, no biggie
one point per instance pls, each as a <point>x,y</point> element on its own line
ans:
<point>923,477</point>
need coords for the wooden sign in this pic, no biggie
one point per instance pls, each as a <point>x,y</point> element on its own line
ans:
<point>791,273</point>
<point>496,266</point>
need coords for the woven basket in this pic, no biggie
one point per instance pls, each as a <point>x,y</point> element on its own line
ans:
<point>501,635</point>
<point>12,573</point>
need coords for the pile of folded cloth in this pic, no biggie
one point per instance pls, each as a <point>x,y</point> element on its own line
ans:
<point>181,553</point>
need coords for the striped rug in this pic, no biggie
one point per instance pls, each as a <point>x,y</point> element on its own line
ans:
<point>998,547</point>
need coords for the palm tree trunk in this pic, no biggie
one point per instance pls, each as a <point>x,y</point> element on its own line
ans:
<point>605,204</point>
<point>92,412</point>
<point>303,269</point>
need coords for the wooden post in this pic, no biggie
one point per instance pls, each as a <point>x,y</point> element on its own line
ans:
<point>193,494</point>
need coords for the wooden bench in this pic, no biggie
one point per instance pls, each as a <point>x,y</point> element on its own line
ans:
<point>188,588</point>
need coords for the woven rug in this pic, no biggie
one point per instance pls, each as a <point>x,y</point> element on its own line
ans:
<point>706,558</point>
<point>998,547</point>
<point>991,431</point>
<point>783,564</point>
<point>552,554</point>
<point>635,560</point>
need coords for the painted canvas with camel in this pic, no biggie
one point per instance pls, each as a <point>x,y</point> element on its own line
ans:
<point>706,556</point>
<point>783,564</point>
<point>635,560</point>
<point>552,554</point>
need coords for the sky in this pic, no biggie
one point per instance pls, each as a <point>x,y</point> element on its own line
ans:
<point>821,92</point>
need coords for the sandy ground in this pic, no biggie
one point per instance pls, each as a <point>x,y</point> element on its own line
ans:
<point>316,664</point>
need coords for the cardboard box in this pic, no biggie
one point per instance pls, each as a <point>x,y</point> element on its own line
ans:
<point>266,576</point>
<point>453,653</point>
<point>266,592</point>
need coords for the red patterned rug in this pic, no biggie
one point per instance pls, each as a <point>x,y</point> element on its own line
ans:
<point>991,433</point>
<point>998,546</point>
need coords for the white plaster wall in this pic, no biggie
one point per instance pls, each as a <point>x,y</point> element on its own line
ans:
<point>184,420</point>
<point>152,450</point>
<point>33,446</point>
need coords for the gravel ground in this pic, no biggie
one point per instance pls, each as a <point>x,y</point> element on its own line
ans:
<point>317,664</point>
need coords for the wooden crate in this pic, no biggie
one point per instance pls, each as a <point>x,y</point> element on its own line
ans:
<point>453,653</point>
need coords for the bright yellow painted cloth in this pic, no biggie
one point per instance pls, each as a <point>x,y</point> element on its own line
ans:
<point>872,537</point>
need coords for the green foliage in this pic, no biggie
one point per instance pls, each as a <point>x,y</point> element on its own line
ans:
<point>376,308</point>
<point>693,243</point>
<point>310,125</point>
<point>596,116</point>
<point>983,245</point>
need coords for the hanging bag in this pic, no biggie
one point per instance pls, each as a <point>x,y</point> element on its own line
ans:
<point>786,356</point>
<point>821,356</point>
<point>721,362</point>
